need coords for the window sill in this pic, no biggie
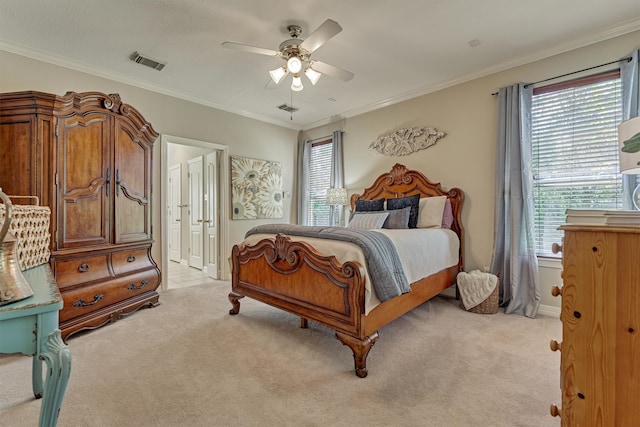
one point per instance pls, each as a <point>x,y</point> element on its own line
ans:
<point>550,262</point>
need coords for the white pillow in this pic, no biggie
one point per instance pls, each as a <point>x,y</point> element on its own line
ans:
<point>430,211</point>
<point>368,221</point>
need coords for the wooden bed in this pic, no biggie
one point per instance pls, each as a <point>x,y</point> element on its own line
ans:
<point>293,276</point>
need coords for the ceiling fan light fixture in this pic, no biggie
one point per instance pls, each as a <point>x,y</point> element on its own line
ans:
<point>278,74</point>
<point>296,84</point>
<point>312,75</point>
<point>294,65</point>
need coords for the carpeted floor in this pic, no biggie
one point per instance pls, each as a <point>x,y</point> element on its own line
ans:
<point>189,363</point>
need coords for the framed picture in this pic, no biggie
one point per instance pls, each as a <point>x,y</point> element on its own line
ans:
<point>256,188</point>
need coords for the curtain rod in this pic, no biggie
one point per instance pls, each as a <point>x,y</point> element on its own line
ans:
<point>574,72</point>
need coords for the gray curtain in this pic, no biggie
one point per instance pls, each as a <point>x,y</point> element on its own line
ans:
<point>337,175</point>
<point>514,255</point>
<point>304,148</point>
<point>630,78</point>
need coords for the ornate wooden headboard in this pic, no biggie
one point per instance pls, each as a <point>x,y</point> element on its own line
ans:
<point>402,182</point>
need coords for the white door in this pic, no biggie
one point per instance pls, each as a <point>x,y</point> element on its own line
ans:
<point>174,213</point>
<point>211,215</point>
<point>196,226</point>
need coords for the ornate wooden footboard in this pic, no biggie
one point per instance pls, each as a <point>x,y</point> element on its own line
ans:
<point>293,276</point>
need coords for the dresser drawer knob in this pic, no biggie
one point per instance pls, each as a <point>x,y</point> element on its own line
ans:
<point>555,345</point>
<point>83,303</point>
<point>555,248</point>
<point>133,287</point>
<point>556,291</point>
<point>555,411</point>
<point>83,268</point>
<point>131,258</point>
<point>577,314</point>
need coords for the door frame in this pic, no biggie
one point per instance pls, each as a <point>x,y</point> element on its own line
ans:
<point>176,209</point>
<point>223,200</point>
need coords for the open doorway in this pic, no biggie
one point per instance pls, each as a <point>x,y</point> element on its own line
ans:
<point>194,205</point>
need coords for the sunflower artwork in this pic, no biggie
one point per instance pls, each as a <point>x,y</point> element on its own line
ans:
<point>256,188</point>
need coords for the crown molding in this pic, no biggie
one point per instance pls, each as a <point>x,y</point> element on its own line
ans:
<point>606,34</point>
<point>121,78</point>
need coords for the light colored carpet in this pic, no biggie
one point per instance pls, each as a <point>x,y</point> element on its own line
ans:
<point>189,363</point>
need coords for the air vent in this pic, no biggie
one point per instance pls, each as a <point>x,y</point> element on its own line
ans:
<point>288,108</point>
<point>149,62</point>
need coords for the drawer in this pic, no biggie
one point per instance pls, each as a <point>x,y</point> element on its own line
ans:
<point>87,299</point>
<point>131,260</point>
<point>81,270</point>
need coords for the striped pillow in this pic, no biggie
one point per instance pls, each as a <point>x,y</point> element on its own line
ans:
<point>369,221</point>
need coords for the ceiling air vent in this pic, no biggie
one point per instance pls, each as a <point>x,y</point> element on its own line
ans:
<point>149,62</point>
<point>288,108</point>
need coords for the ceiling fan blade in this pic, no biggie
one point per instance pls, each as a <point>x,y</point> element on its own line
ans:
<point>252,49</point>
<point>324,32</point>
<point>332,71</point>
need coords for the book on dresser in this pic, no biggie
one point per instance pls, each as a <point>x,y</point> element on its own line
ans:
<point>603,217</point>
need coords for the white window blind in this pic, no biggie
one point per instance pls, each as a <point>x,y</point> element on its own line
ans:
<point>575,152</point>
<point>320,160</point>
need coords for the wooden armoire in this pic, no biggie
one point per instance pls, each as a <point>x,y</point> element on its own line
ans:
<point>88,157</point>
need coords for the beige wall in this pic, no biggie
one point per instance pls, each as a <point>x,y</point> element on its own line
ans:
<point>168,115</point>
<point>465,158</point>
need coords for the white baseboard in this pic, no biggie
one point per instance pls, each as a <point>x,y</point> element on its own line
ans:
<point>549,310</point>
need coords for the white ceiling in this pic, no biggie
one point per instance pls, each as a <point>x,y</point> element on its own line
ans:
<point>397,49</point>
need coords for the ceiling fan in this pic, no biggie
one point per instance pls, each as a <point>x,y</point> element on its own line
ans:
<point>297,52</point>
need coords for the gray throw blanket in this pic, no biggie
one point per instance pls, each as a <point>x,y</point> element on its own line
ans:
<point>383,263</point>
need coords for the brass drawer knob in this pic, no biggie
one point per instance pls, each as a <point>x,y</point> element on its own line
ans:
<point>555,345</point>
<point>555,411</point>
<point>556,291</point>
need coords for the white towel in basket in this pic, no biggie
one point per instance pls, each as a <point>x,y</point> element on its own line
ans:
<point>475,287</point>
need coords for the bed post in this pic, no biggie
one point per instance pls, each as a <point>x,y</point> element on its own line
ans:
<point>360,350</point>
<point>235,302</point>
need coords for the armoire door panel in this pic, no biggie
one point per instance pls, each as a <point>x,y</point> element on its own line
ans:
<point>133,178</point>
<point>24,134</point>
<point>84,181</point>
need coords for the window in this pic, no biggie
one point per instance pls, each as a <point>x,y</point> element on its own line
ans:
<point>319,179</point>
<point>575,151</point>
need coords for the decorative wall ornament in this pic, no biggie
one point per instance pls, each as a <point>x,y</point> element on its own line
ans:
<point>406,141</point>
<point>256,188</point>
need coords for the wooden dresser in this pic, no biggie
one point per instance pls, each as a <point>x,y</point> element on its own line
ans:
<point>88,156</point>
<point>600,349</point>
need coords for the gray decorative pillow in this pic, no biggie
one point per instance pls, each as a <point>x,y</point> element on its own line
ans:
<point>403,202</point>
<point>398,218</point>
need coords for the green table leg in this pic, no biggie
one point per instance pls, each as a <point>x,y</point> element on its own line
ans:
<point>57,356</point>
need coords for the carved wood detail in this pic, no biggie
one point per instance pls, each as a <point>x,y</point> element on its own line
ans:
<point>406,141</point>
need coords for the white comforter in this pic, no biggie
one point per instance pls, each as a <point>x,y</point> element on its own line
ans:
<point>422,251</point>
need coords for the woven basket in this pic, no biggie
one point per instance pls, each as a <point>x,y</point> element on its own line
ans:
<point>30,225</point>
<point>489,305</point>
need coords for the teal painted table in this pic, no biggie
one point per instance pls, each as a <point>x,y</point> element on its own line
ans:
<point>30,327</point>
